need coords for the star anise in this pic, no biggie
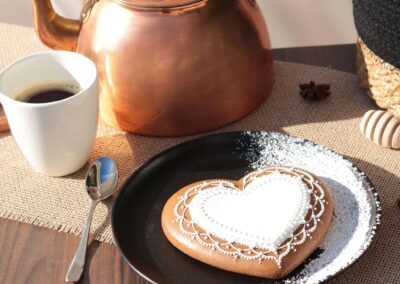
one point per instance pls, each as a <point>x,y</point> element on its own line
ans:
<point>314,92</point>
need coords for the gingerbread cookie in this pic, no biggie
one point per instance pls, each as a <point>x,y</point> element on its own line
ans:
<point>266,224</point>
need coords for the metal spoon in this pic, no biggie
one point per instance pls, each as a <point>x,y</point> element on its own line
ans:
<point>101,180</point>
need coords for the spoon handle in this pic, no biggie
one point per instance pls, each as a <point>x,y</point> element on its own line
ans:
<point>78,262</point>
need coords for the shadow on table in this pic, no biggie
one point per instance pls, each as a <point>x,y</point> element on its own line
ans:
<point>277,114</point>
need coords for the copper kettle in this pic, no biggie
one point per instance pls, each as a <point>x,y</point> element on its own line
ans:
<point>168,67</point>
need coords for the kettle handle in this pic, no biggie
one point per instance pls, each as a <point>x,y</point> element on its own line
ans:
<point>55,31</point>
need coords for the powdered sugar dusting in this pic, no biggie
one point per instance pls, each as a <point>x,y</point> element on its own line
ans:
<point>357,208</point>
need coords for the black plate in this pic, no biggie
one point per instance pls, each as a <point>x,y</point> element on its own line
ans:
<point>136,212</point>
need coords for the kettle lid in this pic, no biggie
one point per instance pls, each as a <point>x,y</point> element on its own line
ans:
<point>159,4</point>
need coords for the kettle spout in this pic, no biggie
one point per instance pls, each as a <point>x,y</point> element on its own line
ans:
<point>55,31</point>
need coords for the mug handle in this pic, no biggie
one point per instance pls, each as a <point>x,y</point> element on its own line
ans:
<point>3,121</point>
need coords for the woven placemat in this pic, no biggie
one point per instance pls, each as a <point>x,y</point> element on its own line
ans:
<point>62,204</point>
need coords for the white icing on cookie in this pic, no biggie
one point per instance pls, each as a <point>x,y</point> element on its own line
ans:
<point>276,211</point>
<point>263,215</point>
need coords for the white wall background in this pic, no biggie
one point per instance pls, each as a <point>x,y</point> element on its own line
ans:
<point>291,23</point>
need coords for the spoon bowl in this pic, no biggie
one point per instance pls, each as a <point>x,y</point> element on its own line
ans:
<point>101,179</point>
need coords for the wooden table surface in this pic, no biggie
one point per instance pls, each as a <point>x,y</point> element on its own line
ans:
<point>30,254</point>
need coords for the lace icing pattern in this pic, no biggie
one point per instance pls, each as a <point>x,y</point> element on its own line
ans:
<point>256,253</point>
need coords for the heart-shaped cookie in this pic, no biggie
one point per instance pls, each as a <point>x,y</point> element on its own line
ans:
<point>265,224</point>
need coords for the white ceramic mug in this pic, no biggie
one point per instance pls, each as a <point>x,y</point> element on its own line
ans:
<point>57,137</point>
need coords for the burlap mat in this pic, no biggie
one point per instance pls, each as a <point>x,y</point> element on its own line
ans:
<point>62,204</point>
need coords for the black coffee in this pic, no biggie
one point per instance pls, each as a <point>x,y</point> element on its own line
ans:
<point>49,96</point>
<point>47,92</point>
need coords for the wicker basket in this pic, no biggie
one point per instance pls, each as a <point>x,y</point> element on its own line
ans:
<point>381,79</point>
<point>378,61</point>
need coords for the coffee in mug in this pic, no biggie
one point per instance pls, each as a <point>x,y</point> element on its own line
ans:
<point>48,92</point>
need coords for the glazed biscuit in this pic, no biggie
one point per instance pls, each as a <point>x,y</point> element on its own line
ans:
<point>265,224</point>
